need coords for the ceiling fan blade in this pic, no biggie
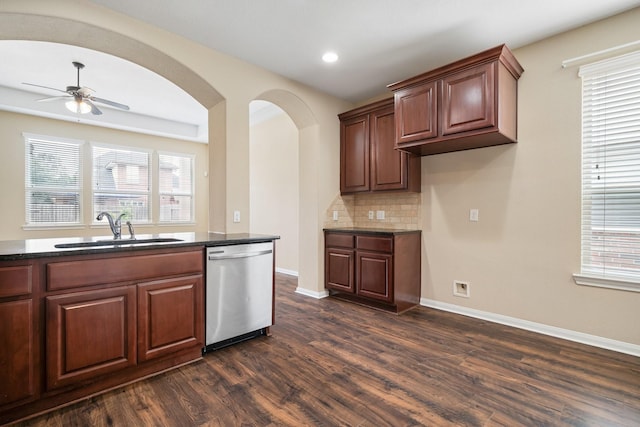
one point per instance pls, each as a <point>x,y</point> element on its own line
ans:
<point>107,102</point>
<point>94,110</point>
<point>53,98</point>
<point>46,87</point>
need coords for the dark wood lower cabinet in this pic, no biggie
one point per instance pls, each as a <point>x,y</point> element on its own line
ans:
<point>17,353</point>
<point>90,334</point>
<point>374,274</point>
<point>170,316</point>
<point>67,332</point>
<point>339,269</point>
<point>377,268</point>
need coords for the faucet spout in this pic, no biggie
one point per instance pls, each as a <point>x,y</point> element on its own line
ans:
<point>116,226</point>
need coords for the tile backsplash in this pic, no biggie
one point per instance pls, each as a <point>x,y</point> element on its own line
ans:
<point>401,211</point>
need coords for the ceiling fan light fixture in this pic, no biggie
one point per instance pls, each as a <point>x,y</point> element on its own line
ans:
<point>78,106</point>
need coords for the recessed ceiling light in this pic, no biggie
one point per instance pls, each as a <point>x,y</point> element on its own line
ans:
<point>330,57</point>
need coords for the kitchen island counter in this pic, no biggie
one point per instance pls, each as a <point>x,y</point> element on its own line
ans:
<point>13,250</point>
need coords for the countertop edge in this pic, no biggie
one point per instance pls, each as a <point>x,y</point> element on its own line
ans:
<point>370,231</point>
<point>18,250</point>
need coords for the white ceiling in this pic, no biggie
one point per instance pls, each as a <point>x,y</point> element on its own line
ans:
<point>378,41</point>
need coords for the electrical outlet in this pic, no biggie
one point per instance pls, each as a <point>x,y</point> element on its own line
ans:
<point>474,215</point>
<point>379,214</point>
<point>236,216</point>
<point>370,214</point>
<point>335,215</point>
<point>461,289</point>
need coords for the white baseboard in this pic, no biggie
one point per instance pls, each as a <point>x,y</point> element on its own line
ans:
<point>593,340</point>
<point>312,294</point>
<point>287,272</point>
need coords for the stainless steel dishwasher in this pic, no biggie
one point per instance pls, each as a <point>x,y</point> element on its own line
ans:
<point>239,293</point>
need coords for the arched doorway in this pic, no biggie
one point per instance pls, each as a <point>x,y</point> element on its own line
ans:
<point>29,26</point>
<point>274,180</point>
<point>309,227</point>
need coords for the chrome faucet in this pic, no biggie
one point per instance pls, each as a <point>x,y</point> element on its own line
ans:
<point>132,235</point>
<point>116,226</point>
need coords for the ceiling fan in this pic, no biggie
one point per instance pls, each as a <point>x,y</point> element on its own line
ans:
<point>82,100</point>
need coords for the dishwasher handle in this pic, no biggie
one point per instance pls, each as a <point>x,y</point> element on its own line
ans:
<point>213,257</point>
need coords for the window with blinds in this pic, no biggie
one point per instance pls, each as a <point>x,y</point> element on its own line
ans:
<point>175,182</point>
<point>53,181</point>
<point>611,169</point>
<point>122,182</point>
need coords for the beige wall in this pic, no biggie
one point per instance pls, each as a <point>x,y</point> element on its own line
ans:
<point>274,186</point>
<point>12,164</point>
<point>521,255</point>
<point>225,86</point>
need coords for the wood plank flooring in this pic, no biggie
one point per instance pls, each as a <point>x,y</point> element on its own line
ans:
<point>332,363</point>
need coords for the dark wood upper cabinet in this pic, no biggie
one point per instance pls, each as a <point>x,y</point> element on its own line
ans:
<point>470,103</point>
<point>368,158</point>
<point>417,110</point>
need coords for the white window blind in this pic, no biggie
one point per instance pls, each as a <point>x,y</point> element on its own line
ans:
<point>121,182</point>
<point>175,179</point>
<point>53,184</point>
<point>611,168</point>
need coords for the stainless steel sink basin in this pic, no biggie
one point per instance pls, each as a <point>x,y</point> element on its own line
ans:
<point>99,243</point>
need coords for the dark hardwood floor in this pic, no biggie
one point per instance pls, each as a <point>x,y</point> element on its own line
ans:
<point>332,363</point>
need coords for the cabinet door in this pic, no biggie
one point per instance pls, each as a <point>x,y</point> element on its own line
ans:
<point>354,155</point>
<point>170,316</point>
<point>89,334</point>
<point>17,364</point>
<point>374,276</point>
<point>416,110</point>
<point>388,165</point>
<point>468,100</point>
<point>338,270</point>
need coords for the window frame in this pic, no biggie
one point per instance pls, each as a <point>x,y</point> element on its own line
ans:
<point>588,276</point>
<point>148,193</point>
<point>29,187</point>
<point>191,194</point>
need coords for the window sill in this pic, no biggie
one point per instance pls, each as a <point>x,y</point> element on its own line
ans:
<point>32,227</point>
<point>601,282</point>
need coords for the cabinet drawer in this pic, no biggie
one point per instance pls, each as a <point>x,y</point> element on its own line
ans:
<point>74,274</point>
<point>378,244</point>
<point>339,240</point>
<point>15,280</point>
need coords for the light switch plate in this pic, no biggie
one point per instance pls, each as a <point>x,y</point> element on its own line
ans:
<point>379,214</point>
<point>474,215</point>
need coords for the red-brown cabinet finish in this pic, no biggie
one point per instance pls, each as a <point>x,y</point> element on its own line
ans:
<point>375,275</point>
<point>19,338</point>
<point>76,325</point>
<point>368,158</point>
<point>90,334</point>
<point>379,269</point>
<point>354,155</point>
<point>468,100</point>
<point>470,103</point>
<point>416,109</point>
<point>339,262</point>
<point>170,316</point>
<point>17,376</point>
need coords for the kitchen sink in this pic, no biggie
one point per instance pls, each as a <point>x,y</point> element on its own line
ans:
<point>112,242</point>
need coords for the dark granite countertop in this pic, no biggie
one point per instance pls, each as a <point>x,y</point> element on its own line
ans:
<point>11,250</point>
<point>372,231</point>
